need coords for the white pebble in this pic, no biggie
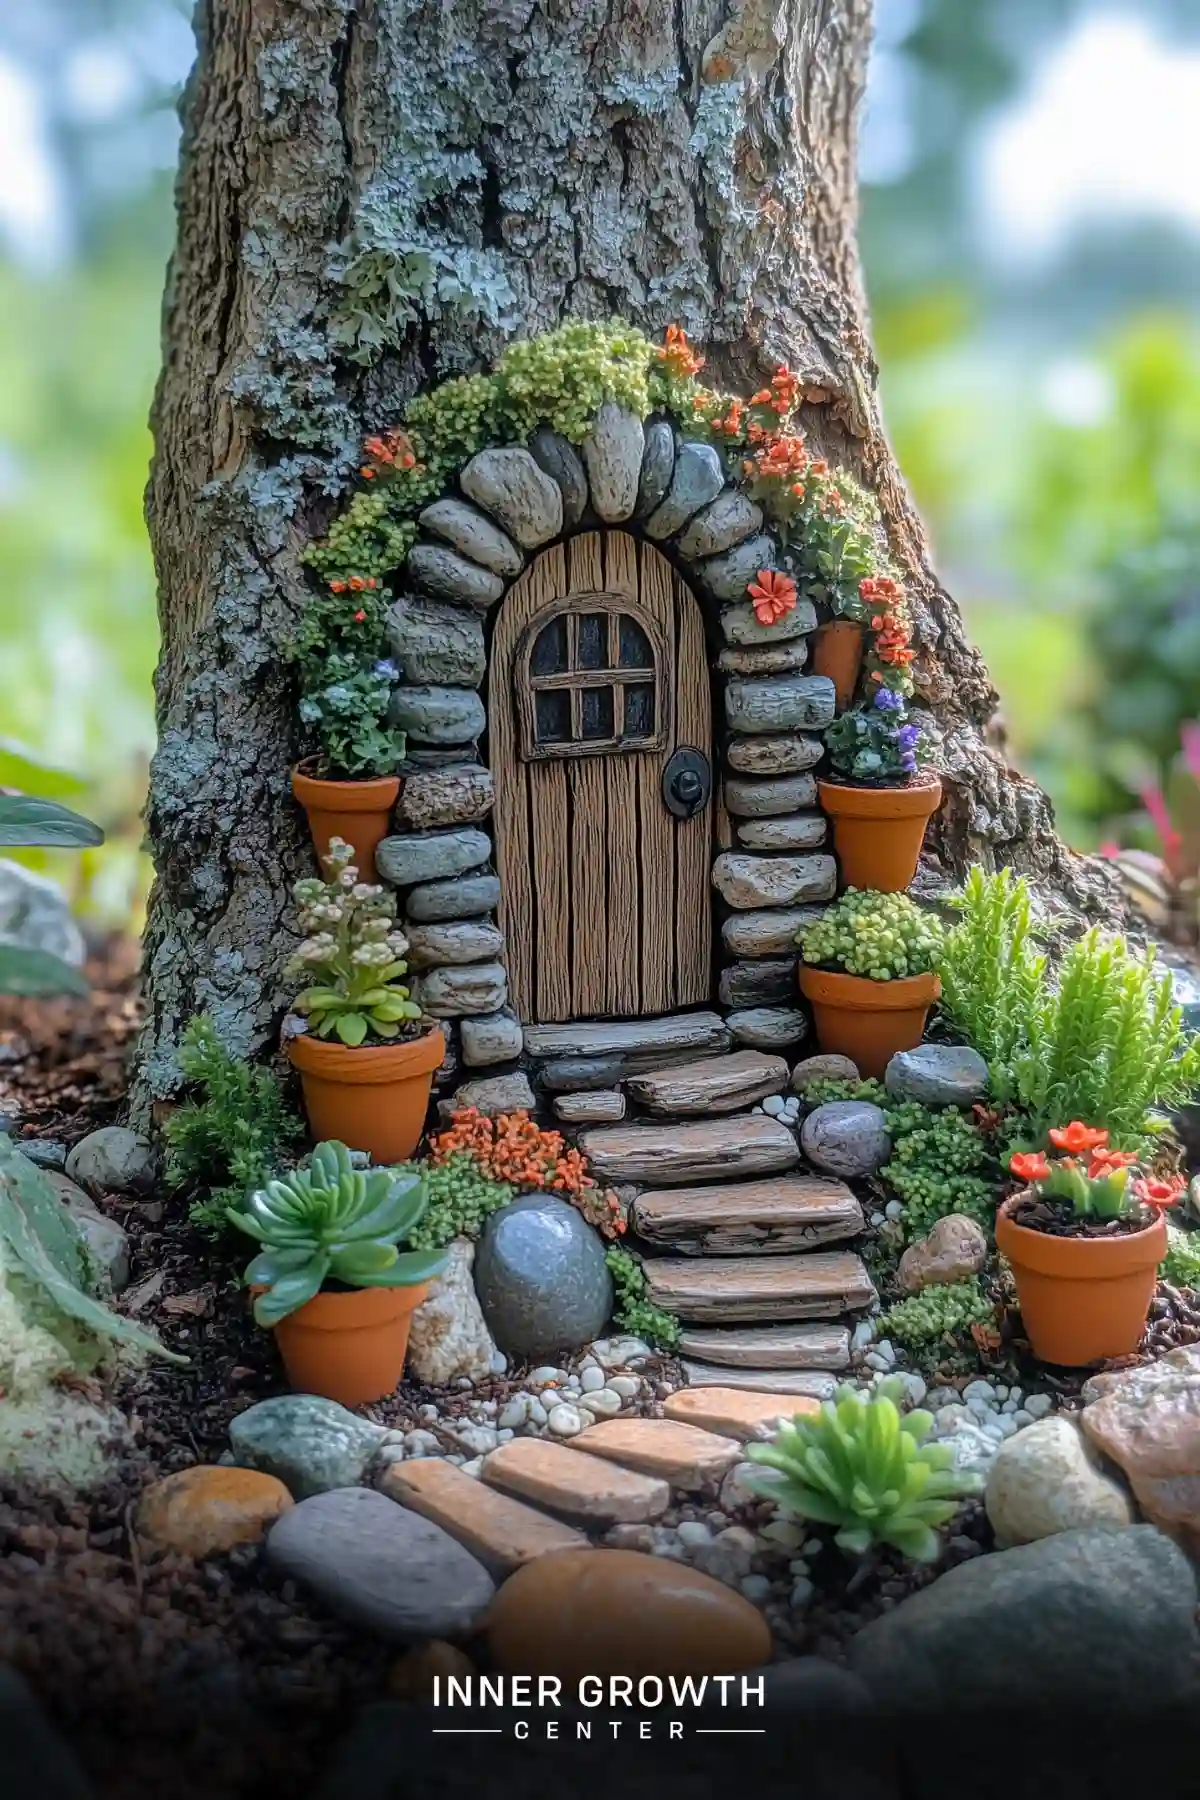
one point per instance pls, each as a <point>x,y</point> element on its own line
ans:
<point>548,1373</point>
<point>863,1334</point>
<point>877,1219</point>
<point>773,1104</point>
<point>874,1360</point>
<point>981,1389</point>
<point>894,1209</point>
<point>914,1387</point>
<point>1009,1406</point>
<point>627,1386</point>
<point>464,1381</point>
<point>1007,1425</point>
<point>1000,1391</point>
<point>812,1547</point>
<point>802,1592</point>
<point>537,1412</point>
<point>1038,1405</point>
<point>1015,1395</point>
<point>783,1532</point>
<point>756,1588</point>
<point>572,1384</point>
<point>605,1404</point>
<point>474,1467</point>
<point>693,1532</point>
<point>592,1379</point>
<point>499,1363</point>
<point>798,1566</point>
<point>505,1436</point>
<point>421,1443</point>
<point>427,1412</point>
<point>565,1421</point>
<point>515,1413</point>
<point>1022,1418</point>
<point>886,1351</point>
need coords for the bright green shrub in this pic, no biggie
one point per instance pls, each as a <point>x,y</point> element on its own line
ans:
<point>632,1311</point>
<point>882,936</point>
<point>937,1314</point>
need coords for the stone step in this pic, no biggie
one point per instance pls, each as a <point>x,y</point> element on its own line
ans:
<point>717,1084</point>
<point>735,1412</point>
<point>810,1384</point>
<point>767,1350</point>
<point>788,1212</point>
<point>698,1150</point>
<point>735,1290</point>
<point>503,1533</point>
<point>674,1451</point>
<point>585,1490</point>
<point>698,1031</point>
<point>602,1105</point>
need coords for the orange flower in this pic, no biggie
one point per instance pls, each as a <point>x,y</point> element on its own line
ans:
<point>337,587</point>
<point>1029,1167</point>
<point>678,354</point>
<point>773,596</point>
<point>1077,1136</point>
<point>785,389</point>
<point>1160,1194</point>
<point>1104,1160</point>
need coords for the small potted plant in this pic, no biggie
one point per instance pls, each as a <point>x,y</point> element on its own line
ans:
<point>329,1276</point>
<point>366,1061</point>
<point>880,799</point>
<point>1084,1240</point>
<point>867,971</point>
<point>349,786</point>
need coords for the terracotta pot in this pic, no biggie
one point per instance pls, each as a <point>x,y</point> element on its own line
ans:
<point>358,811</point>
<point>878,832</point>
<point>1082,1299</point>
<point>865,1020</point>
<point>838,653</point>
<point>374,1098</point>
<point>351,1346</point>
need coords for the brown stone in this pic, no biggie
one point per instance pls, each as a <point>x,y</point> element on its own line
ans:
<point>696,1461</point>
<point>198,1512</point>
<point>736,1413</point>
<point>695,1150</point>
<point>954,1250</point>
<point>1147,1421</point>
<point>812,1384</point>
<point>412,1677</point>
<point>600,1106</point>
<point>784,1212</point>
<point>580,1488</point>
<point>742,1290</point>
<point>713,1085</point>
<point>766,1351</point>
<point>827,1067</point>
<point>503,1533</point>
<point>616,1612</point>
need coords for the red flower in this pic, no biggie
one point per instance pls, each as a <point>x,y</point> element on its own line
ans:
<point>1077,1136</point>
<point>678,354</point>
<point>337,587</point>
<point>1104,1160</point>
<point>1160,1194</point>
<point>359,616</point>
<point>1029,1167</point>
<point>773,596</point>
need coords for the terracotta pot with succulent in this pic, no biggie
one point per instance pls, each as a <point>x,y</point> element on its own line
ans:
<point>348,787</point>
<point>867,971</point>
<point>329,1276</point>
<point>883,800</point>
<point>1084,1241</point>
<point>372,1095</point>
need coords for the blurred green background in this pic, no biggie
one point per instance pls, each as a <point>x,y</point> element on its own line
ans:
<point>1031,228</point>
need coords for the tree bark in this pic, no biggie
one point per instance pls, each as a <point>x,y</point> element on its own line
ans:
<point>488,167</point>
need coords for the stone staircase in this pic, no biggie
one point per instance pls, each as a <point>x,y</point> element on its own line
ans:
<point>744,1244</point>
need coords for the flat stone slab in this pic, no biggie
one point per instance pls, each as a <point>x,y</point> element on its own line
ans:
<point>772,932</point>
<point>749,799</point>
<point>784,755</point>
<point>442,574</point>
<point>438,715</point>
<point>739,1413</point>
<point>428,856</point>
<point>717,1084</point>
<point>791,703</point>
<point>503,1533</point>
<point>788,1213</point>
<point>583,1489</point>
<point>766,981</point>
<point>766,1353</point>
<point>769,1027</point>
<point>457,796</point>
<point>458,991</point>
<point>453,941</point>
<point>473,535</point>
<point>704,1150</point>
<point>765,659</point>
<point>696,1461</point>
<point>698,1031</point>
<point>737,1290</point>
<point>495,1038</point>
<point>799,831</point>
<point>749,882</point>
<point>600,1106</point>
<point>741,628</point>
<point>491,1095</point>
<point>808,1384</point>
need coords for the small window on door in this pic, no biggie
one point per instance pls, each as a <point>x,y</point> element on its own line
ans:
<point>589,680</point>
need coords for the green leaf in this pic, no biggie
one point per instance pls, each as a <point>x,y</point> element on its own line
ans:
<point>291,1291</point>
<point>25,821</point>
<point>354,1262</point>
<point>21,767</point>
<point>271,1264</point>
<point>37,975</point>
<point>409,1270</point>
<point>352,1029</point>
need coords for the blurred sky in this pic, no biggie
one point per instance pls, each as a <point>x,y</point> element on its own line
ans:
<point>1032,241</point>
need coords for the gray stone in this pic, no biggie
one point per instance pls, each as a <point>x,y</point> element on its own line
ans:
<point>754,984</point>
<point>1048,1479</point>
<point>602,1106</point>
<point>448,1339</point>
<point>308,1443</point>
<point>1042,1627</point>
<point>493,1095</point>
<point>583,1074</point>
<point>474,536</point>
<point>937,1075</point>
<point>658,460</point>
<point>438,715</point>
<point>769,1027</point>
<point>809,1687</point>
<point>455,993</point>
<point>773,755</point>
<point>47,1153</point>
<point>35,915</point>
<point>747,882</point>
<point>698,478</point>
<point>792,703</point>
<point>561,461</point>
<point>456,796</point>
<point>436,643</point>
<point>826,1067</point>
<point>726,577</point>
<point>542,1279</point>
<point>443,574</point>
<point>113,1160</point>
<point>766,799</point>
<point>494,1039</point>
<point>508,484</point>
<point>463,899</point>
<point>453,941</point>
<point>954,1250</point>
<point>380,1566</point>
<point>106,1241</point>
<point>741,628</point>
<point>803,831</point>
<point>730,519</point>
<point>429,856</point>
<point>613,458</point>
<point>772,932</point>
<point>756,662</point>
<point>847,1138</point>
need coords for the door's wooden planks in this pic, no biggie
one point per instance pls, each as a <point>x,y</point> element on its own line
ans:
<point>693,837</point>
<point>624,851</point>
<point>513,841</point>
<point>552,868</point>
<point>659,896</point>
<point>594,945</point>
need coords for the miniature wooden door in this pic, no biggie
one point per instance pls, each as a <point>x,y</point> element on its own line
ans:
<point>598,685</point>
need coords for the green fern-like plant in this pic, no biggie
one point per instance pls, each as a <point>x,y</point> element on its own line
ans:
<point>861,1465</point>
<point>992,976</point>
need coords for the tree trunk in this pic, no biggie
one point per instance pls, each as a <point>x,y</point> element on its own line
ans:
<point>373,197</point>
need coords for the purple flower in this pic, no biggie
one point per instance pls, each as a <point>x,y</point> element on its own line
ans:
<point>908,764</point>
<point>886,701</point>
<point>907,738</point>
<point>386,670</point>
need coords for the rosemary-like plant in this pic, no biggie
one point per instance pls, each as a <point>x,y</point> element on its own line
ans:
<point>992,977</point>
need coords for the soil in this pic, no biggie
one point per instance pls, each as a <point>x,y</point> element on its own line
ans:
<point>1058,1218</point>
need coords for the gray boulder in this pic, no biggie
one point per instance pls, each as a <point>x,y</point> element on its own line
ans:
<point>310,1444</point>
<point>937,1075</point>
<point>541,1278</point>
<point>847,1138</point>
<point>113,1161</point>
<point>34,914</point>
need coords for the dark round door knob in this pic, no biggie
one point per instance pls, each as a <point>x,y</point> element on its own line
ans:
<point>687,787</point>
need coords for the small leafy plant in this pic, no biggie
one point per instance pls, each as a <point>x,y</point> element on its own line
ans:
<point>1110,1186</point>
<point>991,973</point>
<point>876,742</point>
<point>632,1311</point>
<point>231,1138</point>
<point>28,823</point>
<point>938,1166</point>
<point>513,1149</point>
<point>462,1198</point>
<point>861,1465</point>
<point>1181,1265</point>
<point>881,936</point>
<point>346,679</point>
<point>939,1315</point>
<point>331,1221</point>
<point>354,945</point>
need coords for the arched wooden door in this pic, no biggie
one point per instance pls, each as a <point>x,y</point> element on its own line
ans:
<point>598,675</point>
